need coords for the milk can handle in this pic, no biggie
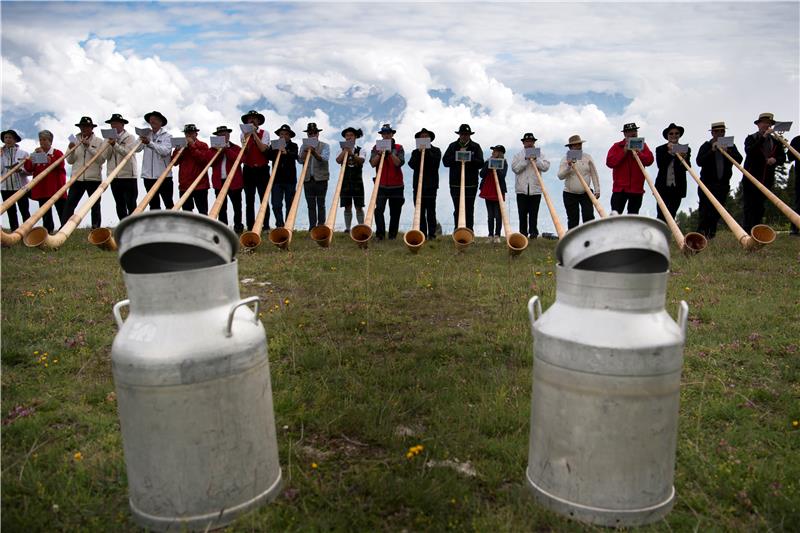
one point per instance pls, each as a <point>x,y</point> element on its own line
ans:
<point>534,308</point>
<point>234,307</point>
<point>117,310</point>
<point>683,316</point>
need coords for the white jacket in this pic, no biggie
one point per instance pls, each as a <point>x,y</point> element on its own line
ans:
<point>117,153</point>
<point>585,166</point>
<point>83,154</point>
<point>526,182</point>
<point>10,157</point>
<point>156,155</point>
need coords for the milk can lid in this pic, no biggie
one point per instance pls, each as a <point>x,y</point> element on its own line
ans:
<point>169,241</point>
<point>620,243</point>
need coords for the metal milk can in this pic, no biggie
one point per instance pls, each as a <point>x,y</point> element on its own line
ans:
<point>192,376</point>
<point>606,377</point>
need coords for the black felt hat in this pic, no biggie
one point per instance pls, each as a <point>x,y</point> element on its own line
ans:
<point>464,128</point>
<point>116,117</point>
<point>672,126</point>
<point>357,132</point>
<point>285,127</point>
<point>425,130</point>
<point>528,137</point>
<point>312,128</point>
<point>155,114</point>
<point>253,113</point>
<point>86,121</point>
<point>12,132</point>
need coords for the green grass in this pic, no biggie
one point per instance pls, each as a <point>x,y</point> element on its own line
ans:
<point>374,352</point>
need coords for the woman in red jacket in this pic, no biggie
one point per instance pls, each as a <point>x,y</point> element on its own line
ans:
<point>45,189</point>
<point>194,158</point>
<point>628,180</point>
<point>222,166</point>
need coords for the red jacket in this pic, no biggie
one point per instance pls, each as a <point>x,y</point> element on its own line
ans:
<point>392,176</point>
<point>192,160</point>
<point>625,170</point>
<point>45,189</point>
<point>253,157</point>
<point>218,177</point>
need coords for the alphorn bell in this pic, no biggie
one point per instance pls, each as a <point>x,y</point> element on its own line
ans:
<point>103,238</point>
<point>414,238</point>
<point>761,234</point>
<point>252,239</point>
<point>39,236</point>
<point>222,197</point>
<point>202,174</point>
<point>362,233</point>
<point>516,242</point>
<point>463,236</point>
<point>548,201</point>
<point>14,198</point>
<point>322,234</point>
<point>785,209</point>
<point>10,239</point>
<point>282,237</point>
<point>14,169</point>
<point>595,202</point>
<point>693,242</point>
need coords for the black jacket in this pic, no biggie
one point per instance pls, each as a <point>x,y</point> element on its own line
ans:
<point>663,160</point>
<point>706,160</point>
<point>471,169</point>
<point>287,168</point>
<point>757,151</point>
<point>430,180</point>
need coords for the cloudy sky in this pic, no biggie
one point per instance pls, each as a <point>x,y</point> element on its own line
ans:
<point>555,69</point>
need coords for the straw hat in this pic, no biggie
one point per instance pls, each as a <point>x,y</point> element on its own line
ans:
<point>574,139</point>
<point>717,125</point>
<point>769,117</point>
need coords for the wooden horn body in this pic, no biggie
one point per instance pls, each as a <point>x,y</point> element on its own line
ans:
<point>516,242</point>
<point>760,234</point>
<point>13,169</point>
<point>462,236</point>
<point>222,197</point>
<point>252,239</point>
<point>10,239</point>
<point>14,198</point>
<point>322,234</point>
<point>362,233</point>
<point>282,237</point>
<point>693,242</point>
<point>39,237</point>
<point>780,204</point>
<point>414,238</point>
<point>548,201</point>
<point>200,175</point>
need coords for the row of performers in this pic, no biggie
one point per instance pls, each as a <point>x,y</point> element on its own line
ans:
<point>764,154</point>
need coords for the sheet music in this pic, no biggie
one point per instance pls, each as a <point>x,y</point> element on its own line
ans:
<point>247,128</point>
<point>109,134</point>
<point>464,155</point>
<point>310,142</point>
<point>39,158</point>
<point>143,132</point>
<point>725,142</point>
<point>782,127</point>
<point>382,145</point>
<point>349,145</point>
<point>680,148</point>
<point>532,152</point>
<point>635,143</point>
<point>574,155</point>
<point>496,164</point>
<point>73,139</point>
<point>278,144</point>
<point>423,142</point>
<point>178,142</point>
<point>217,141</point>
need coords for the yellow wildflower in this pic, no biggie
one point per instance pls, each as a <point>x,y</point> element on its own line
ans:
<point>78,456</point>
<point>314,465</point>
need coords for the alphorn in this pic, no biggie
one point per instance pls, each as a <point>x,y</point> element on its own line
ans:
<point>414,238</point>
<point>362,233</point>
<point>548,201</point>
<point>14,169</point>
<point>462,236</point>
<point>785,209</point>
<point>598,207</point>
<point>202,174</point>
<point>786,143</point>
<point>222,197</point>
<point>10,239</point>
<point>39,237</point>
<point>761,233</point>
<point>103,238</point>
<point>251,239</point>
<point>282,237</point>
<point>693,242</point>
<point>322,234</point>
<point>516,242</point>
<point>14,198</point>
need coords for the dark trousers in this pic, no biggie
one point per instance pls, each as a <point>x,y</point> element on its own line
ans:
<point>394,197</point>
<point>197,199</point>
<point>255,179</point>
<point>795,229</point>
<point>235,196</point>
<point>528,209</point>
<point>619,199</point>
<point>315,200</point>
<point>282,194</point>
<point>493,209</point>
<point>469,205</point>
<point>427,219</point>
<point>74,196</point>
<point>753,204</point>
<point>12,211</point>
<point>47,218</point>
<point>164,192</point>
<point>671,198</point>
<point>125,192</point>
<point>577,206</point>
<point>707,215</point>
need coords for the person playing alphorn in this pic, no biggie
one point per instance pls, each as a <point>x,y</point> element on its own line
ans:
<point>194,158</point>
<point>628,180</point>
<point>391,185</point>
<point>671,177</point>
<point>45,189</point>
<point>157,147</point>
<point>255,167</point>
<point>286,177</point>
<point>123,188</point>
<point>488,191</point>
<point>89,144</point>
<point>471,170</point>
<point>715,173</point>
<point>763,155</point>
<point>526,185</point>
<point>315,185</point>
<point>430,182</point>
<point>577,202</point>
<point>12,156</point>
<point>220,170</point>
<point>352,194</point>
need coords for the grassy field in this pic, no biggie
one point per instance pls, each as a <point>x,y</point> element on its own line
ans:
<point>373,353</point>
